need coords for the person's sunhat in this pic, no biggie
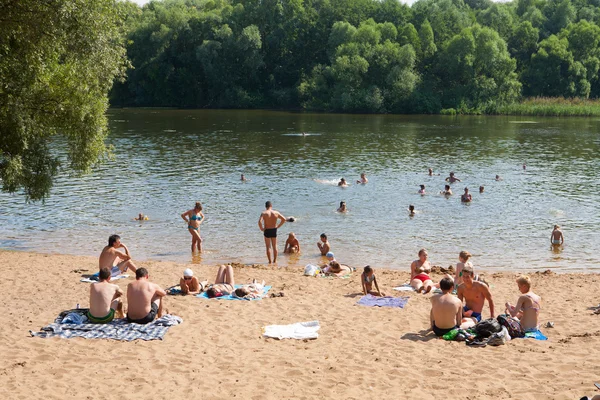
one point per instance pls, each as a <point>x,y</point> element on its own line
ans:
<point>188,272</point>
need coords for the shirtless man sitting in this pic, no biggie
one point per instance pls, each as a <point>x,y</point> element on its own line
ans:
<point>144,299</point>
<point>267,223</point>
<point>104,300</point>
<point>323,245</point>
<point>446,309</point>
<point>110,254</point>
<point>527,309</point>
<point>292,245</point>
<point>474,293</point>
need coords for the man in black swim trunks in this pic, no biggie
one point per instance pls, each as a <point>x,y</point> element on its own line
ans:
<point>268,224</point>
<point>144,299</point>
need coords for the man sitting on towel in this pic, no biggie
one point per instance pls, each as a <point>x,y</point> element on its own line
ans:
<point>144,299</point>
<point>446,309</point>
<point>475,294</point>
<point>104,300</point>
<point>110,255</point>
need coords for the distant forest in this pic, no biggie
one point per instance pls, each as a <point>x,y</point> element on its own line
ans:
<point>359,56</point>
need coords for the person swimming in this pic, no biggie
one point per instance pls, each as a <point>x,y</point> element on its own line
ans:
<point>411,210</point>
<point>447,191</point>
<point>363,179</point>
<point>481,189</point>
<point>466,197</point>
<point>342,183</point>
<point>422,190</point>
<point>141,217</point>
<point>452,178</point>
<point>343,208</point>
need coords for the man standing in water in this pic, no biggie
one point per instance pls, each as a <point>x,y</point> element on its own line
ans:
<point>268,224</point>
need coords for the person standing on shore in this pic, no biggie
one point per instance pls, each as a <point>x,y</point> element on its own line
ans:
<point>110,254</point>
<point>267,223</point>
<point>194,218</point>
<point>557,238</point>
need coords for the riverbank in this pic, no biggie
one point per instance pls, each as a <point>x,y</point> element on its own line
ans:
<point>539,107</point>
<point>219,352</point>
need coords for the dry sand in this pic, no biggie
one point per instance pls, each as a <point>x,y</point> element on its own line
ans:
<point>218,351</point>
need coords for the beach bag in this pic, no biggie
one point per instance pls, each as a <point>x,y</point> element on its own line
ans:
<point>515,330</point>
<point>487,327</point>
<point>311,270</point>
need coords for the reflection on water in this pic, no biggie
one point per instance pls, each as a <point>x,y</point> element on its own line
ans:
<point>168,159</point>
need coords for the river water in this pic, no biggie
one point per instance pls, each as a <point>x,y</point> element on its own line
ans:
<point>165,160</point>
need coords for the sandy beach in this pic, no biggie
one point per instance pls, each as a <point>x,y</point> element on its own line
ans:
<point>219,351</point>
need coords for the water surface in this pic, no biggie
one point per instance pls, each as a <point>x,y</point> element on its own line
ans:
<point>165,160</point>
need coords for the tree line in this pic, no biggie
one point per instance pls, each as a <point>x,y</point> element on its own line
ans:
<point>372,56</point>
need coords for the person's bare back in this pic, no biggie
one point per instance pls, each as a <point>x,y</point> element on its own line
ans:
<point>108,257</point>
<point>101,297</point>
<point>269,218</point>
<point>446,310</point>
<point>140,295</point>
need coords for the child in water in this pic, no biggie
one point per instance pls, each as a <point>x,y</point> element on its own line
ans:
<point>368,279</point>
<point>292,245</point>
<point>411,210</point>
<point>557,238</point>
<point>422,190</point>
<point>141,217</point>
<point>463,257</point>
<point>343,207</point>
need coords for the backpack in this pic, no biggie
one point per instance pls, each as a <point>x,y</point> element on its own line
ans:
<point>487,327</point>
<point>515,330</point>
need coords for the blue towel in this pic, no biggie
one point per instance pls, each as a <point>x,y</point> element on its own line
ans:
<point>537,335</point>
<point>230,297</point>
<point>387,301</point>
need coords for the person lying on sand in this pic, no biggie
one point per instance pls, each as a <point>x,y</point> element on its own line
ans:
<point>224,283</point>
<point>474,294</point>
<point>528,306</point>
<point>189,283</point>
<point>368,279</point>
<point>419,273</point>
<point>253,290</point>
<point>109,256</point>
<point>334,268</point>
<point>292,245</point>
<point>104,300</point>
<point>144,299</point>
<point>446,309</point>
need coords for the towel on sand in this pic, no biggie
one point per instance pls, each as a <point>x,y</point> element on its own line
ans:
<point>387,301</point>
<point>537,335</point>
<point>231,297</point>
<point>118,329</point>
<point>404,288</point>
<point>299,330</point>
<point>115,273</point>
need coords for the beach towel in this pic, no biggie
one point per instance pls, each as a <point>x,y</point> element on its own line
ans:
<point>388,301</point>
<point>537,335</point>
<point>404,288</point>
<point>299,330</point>
<point>115,274</point>
<point>118,329</point>
<point>174,290</point>
<point>232,297</point>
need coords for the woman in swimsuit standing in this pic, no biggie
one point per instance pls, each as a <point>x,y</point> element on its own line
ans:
<point>194,218</point>
<point>419,273</point>
<point>528,306</point>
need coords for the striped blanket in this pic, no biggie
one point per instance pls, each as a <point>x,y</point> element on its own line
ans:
<point>118,329</point>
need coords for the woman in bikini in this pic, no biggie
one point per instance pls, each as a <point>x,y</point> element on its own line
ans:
<point>419,273</point>
<point>224,283</point>
<point>194,218</point>
<point>527,309</point>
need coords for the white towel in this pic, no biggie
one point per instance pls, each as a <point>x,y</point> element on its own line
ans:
<point>404,288</point>
<point>299,330</point>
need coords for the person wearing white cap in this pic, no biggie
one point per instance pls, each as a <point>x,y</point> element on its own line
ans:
<point>189,283</point>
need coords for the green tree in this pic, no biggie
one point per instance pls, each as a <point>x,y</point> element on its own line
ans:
<point>428,47</point>
<point>523,43</point>
<point>58,60</point>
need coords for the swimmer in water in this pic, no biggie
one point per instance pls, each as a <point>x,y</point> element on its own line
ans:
<point>524,166</point>
<point>363,179</point>
<point>557,238</point>
<point>430,172</point>
<point>452,178</point>
<point>342,183</point>
<point>481,189</point>
<point>411,210</point>
<point>292,245</point>
<point>422,190</point>
<point>498,178</point>
<point>447,191</point>
<point>466,197</point>
<point>141,217</point>
<point>343,208</point>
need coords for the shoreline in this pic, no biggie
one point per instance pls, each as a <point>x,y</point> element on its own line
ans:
<point>361,351</point>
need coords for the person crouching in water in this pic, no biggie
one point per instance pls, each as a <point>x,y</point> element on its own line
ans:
<point>368,279</point>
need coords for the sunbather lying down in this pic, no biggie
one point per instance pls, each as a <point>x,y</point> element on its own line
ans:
<point>253,290</point>
<point>336,269</point>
